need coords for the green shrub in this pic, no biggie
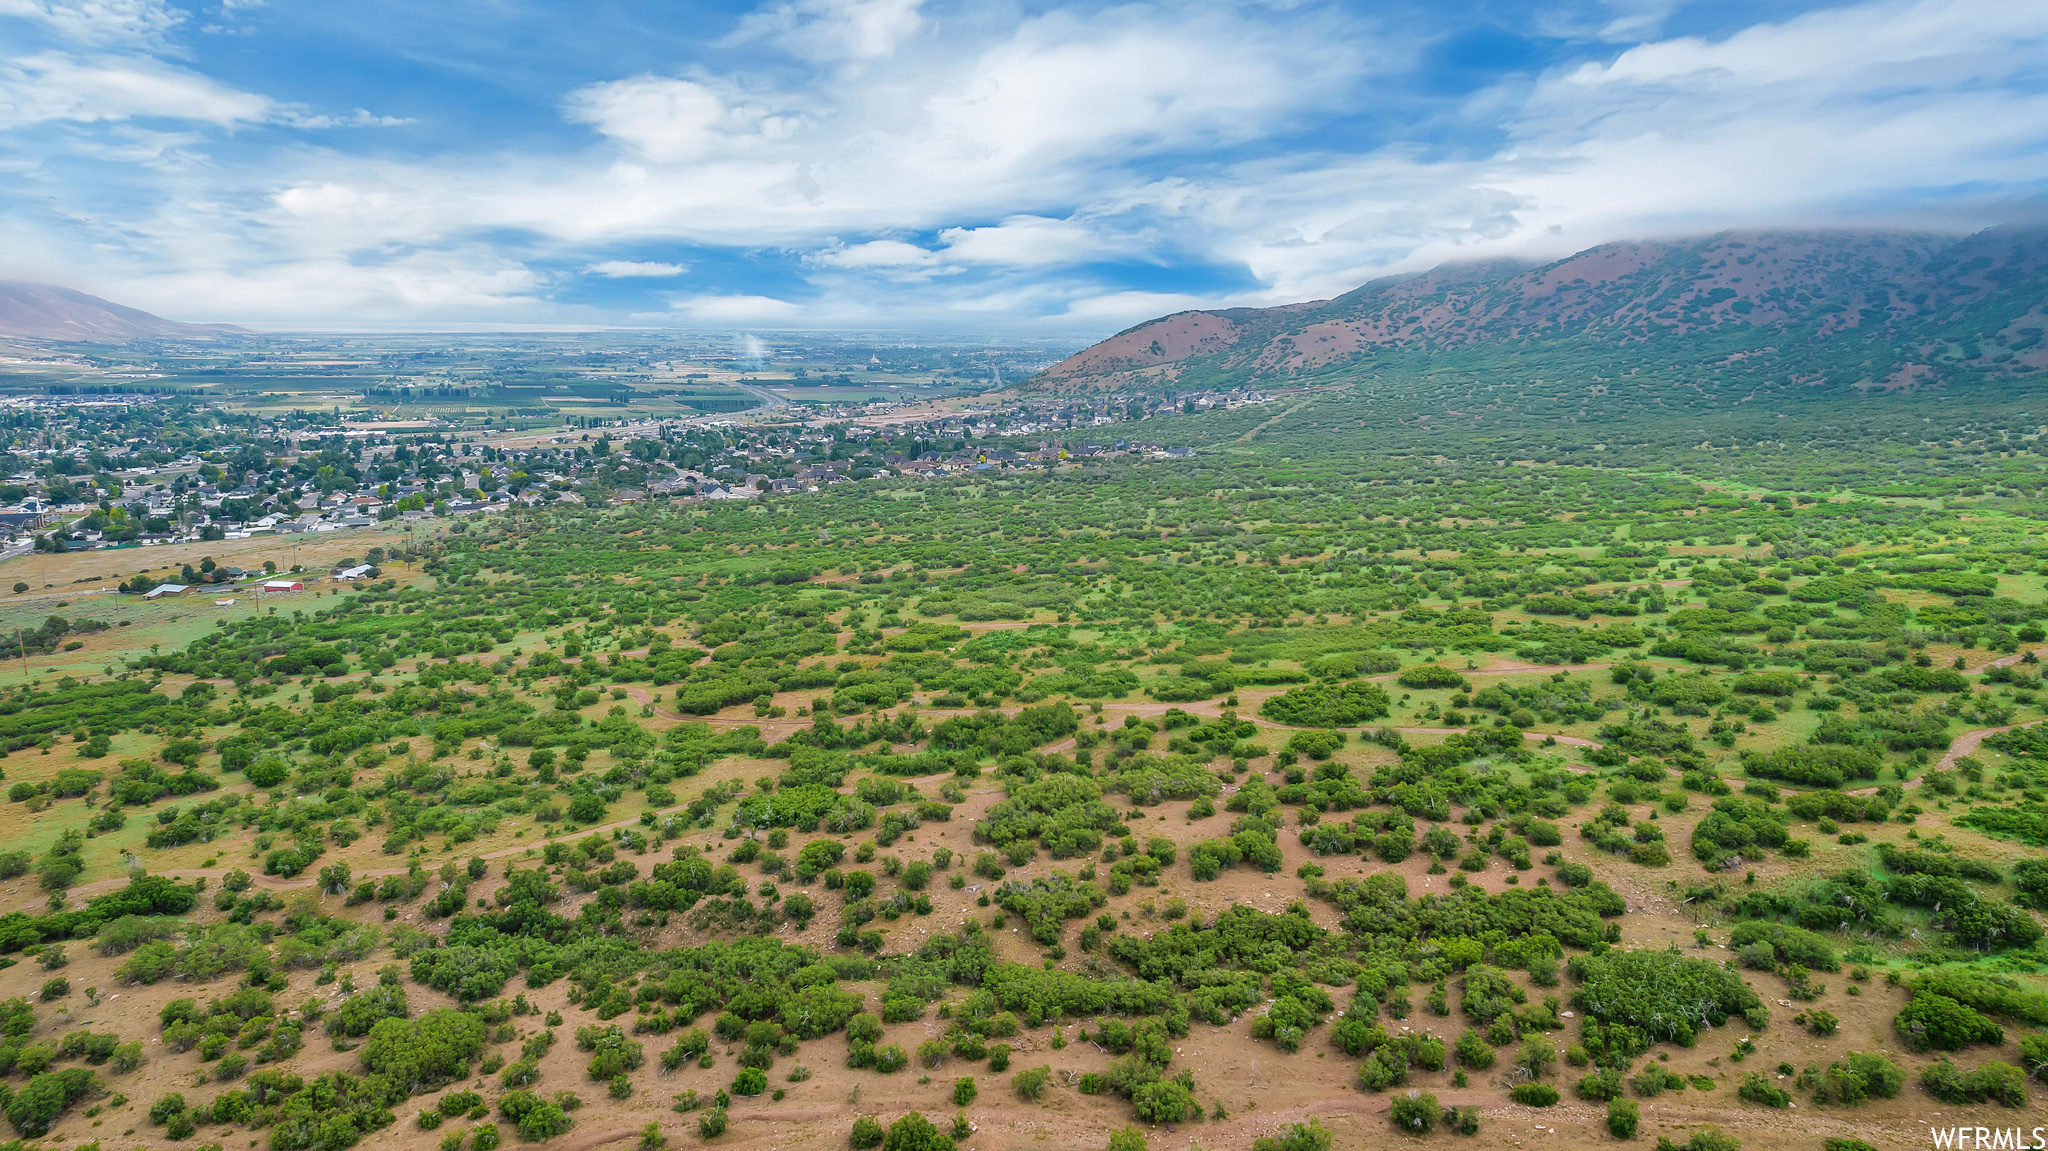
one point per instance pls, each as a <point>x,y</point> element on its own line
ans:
<point>1931,1022</point>
<point>1309,1136</point>
<point>1704,1139</point>
<point>1788,944</point>
<point>914,1132</point>
<point>1623,1116</point>
<point>37,1105</point>
<point>1534,1094</point>
<point>1643,992</point>
<point>1128,1139</point>
<point>1757,1089</point>
<point>1414,1113</point>
<point>1995,1081</point>
<point>1030,1083</point>
<point>1859,1076</point>
<point>421,1054</point>
<point>1167,1101</point>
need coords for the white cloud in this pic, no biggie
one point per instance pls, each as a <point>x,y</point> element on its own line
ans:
<point>1030,242</point>
<point>1864,39</point>
<point>877,254</point>
<point>736,309</point>
<point>465,282</point>
<point>634,269</point>
<point>57,86</point>
<point>669,120</point>
<point>990,152</point>
<point>97,22</point>
<point>834,30</point>
<point>1064,88</point>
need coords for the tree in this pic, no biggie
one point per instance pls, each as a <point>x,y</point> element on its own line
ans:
<point>964,1091</point>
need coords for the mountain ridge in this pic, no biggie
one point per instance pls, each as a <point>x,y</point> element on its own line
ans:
<point>37,311</point>
<point>1906,307</point>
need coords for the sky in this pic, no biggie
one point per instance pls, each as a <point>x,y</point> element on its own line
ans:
<point>984,167</point>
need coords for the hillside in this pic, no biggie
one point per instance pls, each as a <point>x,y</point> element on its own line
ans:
<point>1885,308</point>
<point>31,311</point>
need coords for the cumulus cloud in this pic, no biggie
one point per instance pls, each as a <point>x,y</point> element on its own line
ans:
<point>669,120</point>
<point>974,163</point>
<point>634,269</point>
<point>1030,242</point>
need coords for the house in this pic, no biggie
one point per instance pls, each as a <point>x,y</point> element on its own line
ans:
<point>165,590</point>
<point>283,585</point>
<point>360,571</point>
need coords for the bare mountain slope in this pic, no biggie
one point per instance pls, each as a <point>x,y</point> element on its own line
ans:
<point>47,312</point>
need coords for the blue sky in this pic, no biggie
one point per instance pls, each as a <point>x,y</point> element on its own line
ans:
<point>979,167</point>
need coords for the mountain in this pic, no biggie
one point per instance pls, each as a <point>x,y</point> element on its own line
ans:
<point>1851,307</point>
<point>47,312</point>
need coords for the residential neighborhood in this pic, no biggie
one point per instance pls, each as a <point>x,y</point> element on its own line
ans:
<point>142,472</point>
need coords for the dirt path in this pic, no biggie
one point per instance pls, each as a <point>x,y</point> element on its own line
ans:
<point>2008,660</point>
<point>1573,740</point>
<point>1964,744</point>
<point>1968,741</point>
<point>1260,427</point>
<point>1507,667</point>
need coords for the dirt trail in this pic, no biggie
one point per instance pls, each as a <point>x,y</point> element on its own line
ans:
<point>1573,740</point>
<point>1964,744</point>
<point>2009,660</point>
<point>1507,667</point>
<point>1968,741</point>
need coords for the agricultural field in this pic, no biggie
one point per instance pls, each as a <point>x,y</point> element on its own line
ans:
<point>1348,783</point>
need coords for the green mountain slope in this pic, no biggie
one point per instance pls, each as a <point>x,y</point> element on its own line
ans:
<point>1768,309</point>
